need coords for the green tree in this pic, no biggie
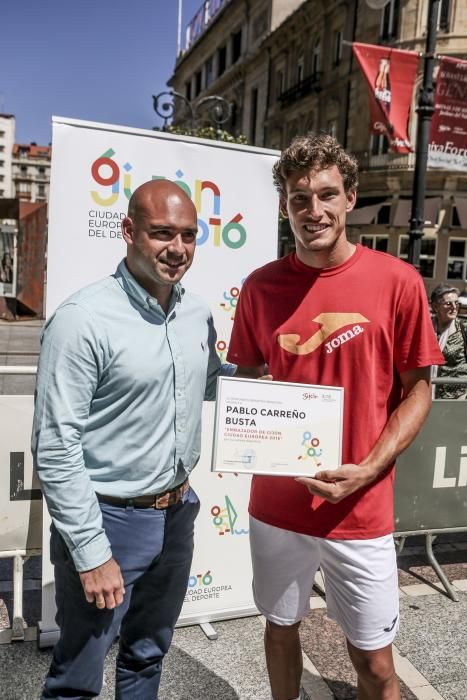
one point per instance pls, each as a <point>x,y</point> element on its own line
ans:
<point>205,132</point>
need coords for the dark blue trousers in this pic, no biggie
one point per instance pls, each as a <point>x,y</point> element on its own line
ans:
<point>154,549</point>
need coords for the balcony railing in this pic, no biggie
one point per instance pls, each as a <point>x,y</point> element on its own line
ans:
<point>385,161</point>
<point>307,86</point>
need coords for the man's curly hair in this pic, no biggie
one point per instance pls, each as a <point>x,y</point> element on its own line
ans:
<point>315,152</point>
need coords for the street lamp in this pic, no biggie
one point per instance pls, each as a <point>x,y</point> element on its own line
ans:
<point>212,109</point>
<point>425,109</point>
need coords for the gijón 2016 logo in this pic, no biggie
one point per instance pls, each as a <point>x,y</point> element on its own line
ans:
<point>115,181</point>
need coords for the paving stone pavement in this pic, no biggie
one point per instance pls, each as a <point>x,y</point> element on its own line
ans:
<point>431,643</point>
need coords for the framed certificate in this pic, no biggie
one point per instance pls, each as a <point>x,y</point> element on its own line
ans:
<point>276,428</point>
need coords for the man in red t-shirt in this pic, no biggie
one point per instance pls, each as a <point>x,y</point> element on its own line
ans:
<point>334,314</point>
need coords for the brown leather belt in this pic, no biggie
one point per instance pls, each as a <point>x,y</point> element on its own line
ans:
<point>159,501</point>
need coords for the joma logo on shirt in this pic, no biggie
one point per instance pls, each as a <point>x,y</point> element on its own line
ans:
<point>343,338</point>
<point>330,323</point>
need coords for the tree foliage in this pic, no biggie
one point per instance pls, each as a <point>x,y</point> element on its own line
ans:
<point>205,132</point>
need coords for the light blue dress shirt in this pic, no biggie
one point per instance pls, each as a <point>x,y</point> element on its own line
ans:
<point>119,393</point>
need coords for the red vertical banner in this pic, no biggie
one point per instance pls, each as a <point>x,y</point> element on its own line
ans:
<point>391,75</point>
<point>448,137</point>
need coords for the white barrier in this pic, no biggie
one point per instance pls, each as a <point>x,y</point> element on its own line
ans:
<point>20,498</point>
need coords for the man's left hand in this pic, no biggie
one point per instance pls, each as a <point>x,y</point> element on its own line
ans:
<point>336,484</point>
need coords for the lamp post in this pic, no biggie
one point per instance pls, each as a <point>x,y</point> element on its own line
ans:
<point>425,109</point>
<point>212,109</point>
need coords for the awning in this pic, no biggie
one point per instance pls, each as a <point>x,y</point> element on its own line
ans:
<point>461,206</point>
<point>364,215</point>
<point>404,208</point>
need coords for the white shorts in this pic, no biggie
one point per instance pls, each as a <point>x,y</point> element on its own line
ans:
<point>360,577</point>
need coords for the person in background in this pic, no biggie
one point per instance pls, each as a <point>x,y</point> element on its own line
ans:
<point>452,339</point>
<point>6,268</point>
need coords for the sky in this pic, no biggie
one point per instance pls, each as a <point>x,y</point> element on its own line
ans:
<point>98,60</point>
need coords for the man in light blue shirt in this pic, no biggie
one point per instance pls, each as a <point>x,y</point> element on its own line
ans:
<point>124,367</point>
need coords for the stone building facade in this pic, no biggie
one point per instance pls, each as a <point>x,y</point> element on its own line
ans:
<point>287,68</point>
<point>31,172</point>
<point>7,139</point>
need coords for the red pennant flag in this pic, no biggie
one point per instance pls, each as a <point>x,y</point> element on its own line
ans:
<point>448,137</point>
<point>391,77</point>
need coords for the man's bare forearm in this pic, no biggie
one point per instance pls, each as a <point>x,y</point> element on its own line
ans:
<point>401,428</point>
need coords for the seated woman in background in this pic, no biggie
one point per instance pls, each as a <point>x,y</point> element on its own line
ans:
<point>452,338</point>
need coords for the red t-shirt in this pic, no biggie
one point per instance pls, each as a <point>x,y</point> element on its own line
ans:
<point>356,325</point>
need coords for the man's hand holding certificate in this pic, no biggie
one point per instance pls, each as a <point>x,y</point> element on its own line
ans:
<point>277,428</point>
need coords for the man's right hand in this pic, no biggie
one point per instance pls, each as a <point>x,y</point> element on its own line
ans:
<point>103,585</point>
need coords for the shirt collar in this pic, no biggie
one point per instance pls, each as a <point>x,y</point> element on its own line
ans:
<point>139,294</point>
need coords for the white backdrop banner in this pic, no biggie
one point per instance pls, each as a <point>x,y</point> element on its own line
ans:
<point>20,497</point>
<point>95,168</point>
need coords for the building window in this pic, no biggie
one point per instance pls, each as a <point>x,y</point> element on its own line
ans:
<point>253,114</point>
<point>2,192</point>
<point>383,217</point>
<point>209,71</point>
<point>2,163</point>
<point>444,15</point>
<point>279,83</point>
<point>300,68</point>
<point>337,48</point>
<point>41,190</point>
<point>260,25</point>
<point>455,220</point>
<point>221,60</point>
<point>188,90</point>
<point>236,45</point>
<point>375,242</point>
<point>316,58</point>
<point>2,134</point>
<point>198,82</point>
<point>457,259</point>
<point>379,144</point>
<point>24,187</point>
<point>24,169</point>
<point>427,254</point>
<point>2,177</point>
<point>2,148</point>
<point>390,20</point>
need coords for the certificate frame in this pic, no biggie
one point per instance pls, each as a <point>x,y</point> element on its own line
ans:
<point>276,428</point>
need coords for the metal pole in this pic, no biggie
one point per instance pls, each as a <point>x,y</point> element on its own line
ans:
<point>425,111</point>
<point>179,32</point>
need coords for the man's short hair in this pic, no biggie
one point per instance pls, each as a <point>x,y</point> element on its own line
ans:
<point>315,152</point>
<point>438,292</point>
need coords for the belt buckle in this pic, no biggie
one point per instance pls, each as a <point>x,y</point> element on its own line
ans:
<point>170,498</point>
<point>161,502</point>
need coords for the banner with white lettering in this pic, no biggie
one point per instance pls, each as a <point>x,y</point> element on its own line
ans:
<point>95,169</point>
<point>390,74</point>
<point>20,496</point>
<point>431,475</point>
<point>448,137</point>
